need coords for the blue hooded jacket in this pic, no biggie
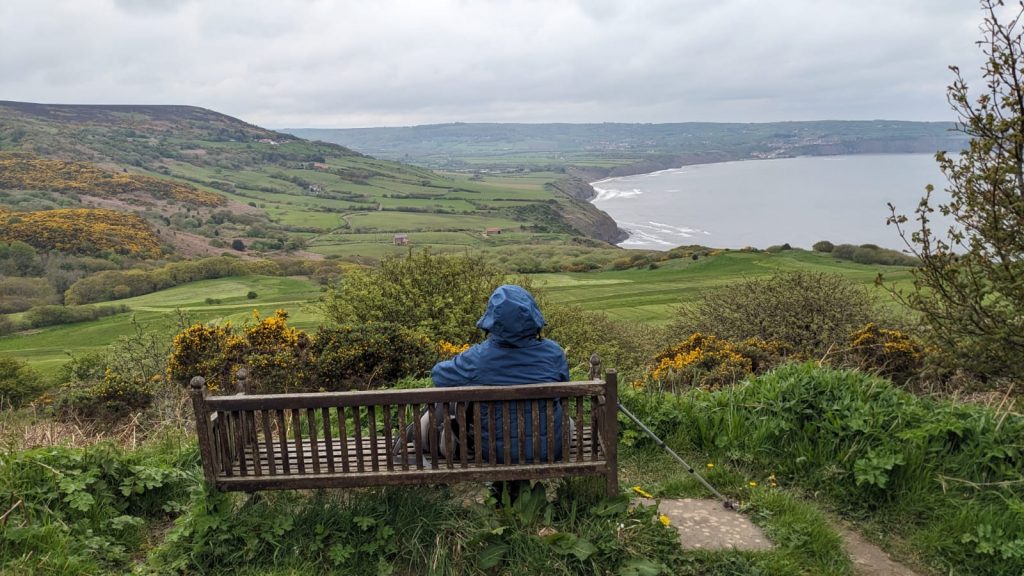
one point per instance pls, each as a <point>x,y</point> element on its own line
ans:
<point>513,353</point>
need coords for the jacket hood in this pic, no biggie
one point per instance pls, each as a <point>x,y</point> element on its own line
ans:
<point>512,315</point>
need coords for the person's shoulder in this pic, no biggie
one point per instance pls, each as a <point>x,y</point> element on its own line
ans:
<point>551,345</point>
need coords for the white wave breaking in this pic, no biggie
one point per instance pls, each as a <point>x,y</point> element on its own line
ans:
<point>609,193</point>
<point>653,234</point>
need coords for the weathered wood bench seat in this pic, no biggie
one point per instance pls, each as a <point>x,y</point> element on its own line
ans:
<point>252,442</point>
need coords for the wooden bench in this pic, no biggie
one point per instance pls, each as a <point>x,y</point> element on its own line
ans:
<point>252,442</point>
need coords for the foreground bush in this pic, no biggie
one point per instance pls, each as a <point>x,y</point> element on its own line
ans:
<point>117,382</point>
<point>19,384</point>
<point>807,312</point>
<point>708,362</point>
<point>623,345</point>
<point>86,511</point>
<point>280,358</point>
<point>441,296</point>
<point>425,530</point>
<point>948,478</point>
<point>358,357</point>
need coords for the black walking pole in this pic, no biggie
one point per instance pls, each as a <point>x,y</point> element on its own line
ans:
<point>595,373</point>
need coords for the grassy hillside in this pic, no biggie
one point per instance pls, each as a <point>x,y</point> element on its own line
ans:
<point>650,295</point>
<point>644,295</point>
<point>283,193</point>
<point>220,300</point>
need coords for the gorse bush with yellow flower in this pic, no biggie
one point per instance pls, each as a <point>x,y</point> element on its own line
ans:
<point>19,171</point>
<point>891,353</point>
<point>89,231</point>
<point>705,361</point>
<point>280,358</point>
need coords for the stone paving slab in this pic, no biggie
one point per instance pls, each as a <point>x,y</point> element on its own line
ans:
<point>707,525</point>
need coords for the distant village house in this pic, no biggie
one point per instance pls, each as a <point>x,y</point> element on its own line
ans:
<point>401,240</point>
<point>490,231</point>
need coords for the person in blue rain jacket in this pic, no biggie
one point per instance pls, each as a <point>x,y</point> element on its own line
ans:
<point>514,352</point>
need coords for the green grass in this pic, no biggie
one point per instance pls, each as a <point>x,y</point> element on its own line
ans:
<point>643,295</point>
<point>47,349</point>
<point>650,295</point>
<point>938,480</point>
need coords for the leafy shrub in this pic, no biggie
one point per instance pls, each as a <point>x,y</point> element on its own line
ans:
<point>806,312</point>
<point>949,476</point>
<point>205,350</point>
<point>709,362</point>
<point>620,344</point>
<point>19,384</point>
<point>890,353</point>
<point>872,254</point>
<point>275,355</point>
<point>119,381</point>
<point>441,296</point>
<point>251,295</point>
<point>282,359</point>
<point>20,294</point>
<point>823,246</point>
<point>357,357</point>
<point>85,511</point>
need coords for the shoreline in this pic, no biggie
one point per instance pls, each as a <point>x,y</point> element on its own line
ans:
<point>654,242</point>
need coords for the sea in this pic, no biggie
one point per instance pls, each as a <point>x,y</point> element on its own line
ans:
<point>760,203</point>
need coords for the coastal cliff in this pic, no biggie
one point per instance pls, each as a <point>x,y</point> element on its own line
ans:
<point>584,216</point>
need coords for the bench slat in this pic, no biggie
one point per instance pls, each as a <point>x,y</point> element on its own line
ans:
<point>292,459</point>
<point>435,476</point>
<point>371,426</point>
<point>268,440</point>
<point>325,413</point>
<point>419,395</point>
<point>343,434</point>
<point>387,437</point>
<point>401,431</point>
<point>357,429</point>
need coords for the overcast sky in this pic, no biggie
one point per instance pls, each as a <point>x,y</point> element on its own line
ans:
<point>332,63</point>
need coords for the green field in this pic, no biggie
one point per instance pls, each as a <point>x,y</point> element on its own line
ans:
<point>48,348</point>
<point>650,295</point>
<point>640,294</point>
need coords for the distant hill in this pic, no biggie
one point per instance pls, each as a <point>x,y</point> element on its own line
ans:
<point>610,149</point>
<point>208,183</point>
<point>144,136</point>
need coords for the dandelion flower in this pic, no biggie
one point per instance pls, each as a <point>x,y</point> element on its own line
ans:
<point>710,465</point>
<point>642,492</point>
<point>663,519</point>
<point>752,484</point>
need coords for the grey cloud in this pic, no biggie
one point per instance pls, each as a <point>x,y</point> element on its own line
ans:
<point>325,63</point>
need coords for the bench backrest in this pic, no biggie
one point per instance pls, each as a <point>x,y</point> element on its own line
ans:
<point>345,439</point>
